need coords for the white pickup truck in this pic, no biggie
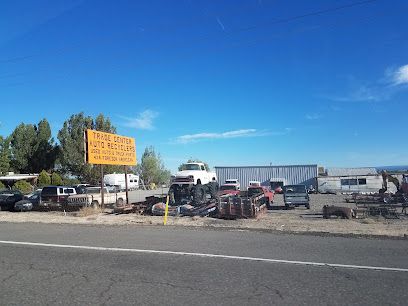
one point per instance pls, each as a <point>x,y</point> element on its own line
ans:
<point>195,174</point>
<point>92,197</point>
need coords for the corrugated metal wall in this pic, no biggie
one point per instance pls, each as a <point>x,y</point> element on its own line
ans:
<point>298,174</point>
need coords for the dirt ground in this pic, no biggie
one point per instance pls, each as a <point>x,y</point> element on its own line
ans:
<point>299,220</point>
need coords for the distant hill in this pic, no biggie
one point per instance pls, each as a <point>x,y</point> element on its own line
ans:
<point>393,168</point>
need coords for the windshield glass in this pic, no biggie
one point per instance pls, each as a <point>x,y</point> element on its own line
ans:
<point>253,191</point>
<point>191,167</point>
<point>295,189</point>
<point>226,187</point>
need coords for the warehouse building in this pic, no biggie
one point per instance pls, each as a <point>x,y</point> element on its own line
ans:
<point>272,176</point>
<point>349,180</point>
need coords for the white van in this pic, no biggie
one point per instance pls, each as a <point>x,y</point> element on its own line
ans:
<point>118,179</point>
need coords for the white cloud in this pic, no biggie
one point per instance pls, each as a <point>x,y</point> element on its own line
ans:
<point>313,116</point>
<point>191,138</point>
<point>143,121</point>
<point>399,76</point>
<point>380,90</point>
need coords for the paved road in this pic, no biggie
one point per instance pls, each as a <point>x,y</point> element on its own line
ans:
<point>51,274</point>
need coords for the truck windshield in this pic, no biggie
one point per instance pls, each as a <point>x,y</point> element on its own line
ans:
<point>191,167</point>
<point>226,187</point>
<point>253,191</point>
<point>295,189</point>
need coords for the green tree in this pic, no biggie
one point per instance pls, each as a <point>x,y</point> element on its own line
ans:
<point>32,147</point>
<point>70,181</point>
<point>23,142</point>
<point>56,179</point>
<point>191,160</point>
<point>72,150</point>
<point>23,187</point>
<point>44,179</point>
<point>151,168</point>
<point>2,186</point>
<point>5,155</point>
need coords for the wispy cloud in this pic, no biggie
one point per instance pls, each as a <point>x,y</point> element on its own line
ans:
<point>191,138</point>
<point>380,90</point>
<point>143,121</point>
<point>398,76</point>
<point>313,116</point>
<point>221,24</point>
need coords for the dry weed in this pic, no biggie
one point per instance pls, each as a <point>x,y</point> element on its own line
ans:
<point>88,211</point>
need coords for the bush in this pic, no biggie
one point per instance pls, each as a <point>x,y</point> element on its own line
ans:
<point>70,181</point>
<point>2,186</point>
<point>56,179</point>
<point>23,187</point>
<point>44,179</point>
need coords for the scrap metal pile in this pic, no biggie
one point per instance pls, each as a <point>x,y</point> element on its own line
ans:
<point>380,204</point>
<point>203,203</point>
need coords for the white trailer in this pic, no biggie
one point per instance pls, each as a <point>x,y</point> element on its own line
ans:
<point>118,179</point>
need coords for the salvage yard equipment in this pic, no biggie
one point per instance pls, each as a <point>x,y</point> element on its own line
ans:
<point>242,206</point>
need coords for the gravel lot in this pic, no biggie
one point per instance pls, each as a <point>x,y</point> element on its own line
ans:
<point>299,220</point>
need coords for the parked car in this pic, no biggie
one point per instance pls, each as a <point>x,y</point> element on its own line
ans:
<point>296,195</point>
<point>29,202</point>
<point>8,198</point>
<point>55,196</point>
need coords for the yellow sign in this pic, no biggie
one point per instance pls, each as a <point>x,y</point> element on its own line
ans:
<point>110,149</point>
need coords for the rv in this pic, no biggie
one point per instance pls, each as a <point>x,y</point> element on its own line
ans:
<point>118,180</point>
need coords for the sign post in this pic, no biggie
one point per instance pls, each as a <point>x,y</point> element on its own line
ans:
<point>126,185</point>
<point>110,149</point>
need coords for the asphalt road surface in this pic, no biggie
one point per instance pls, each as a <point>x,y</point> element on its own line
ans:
<point>96,265</point>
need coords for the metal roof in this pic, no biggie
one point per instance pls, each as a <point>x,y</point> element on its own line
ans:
<point>350,171</point>
<point>293,174</point>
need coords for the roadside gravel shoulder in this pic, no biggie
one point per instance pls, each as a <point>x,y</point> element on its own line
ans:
<point>298,220</point>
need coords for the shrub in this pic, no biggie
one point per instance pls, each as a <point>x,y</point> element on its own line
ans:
<point>23,187</point>
<point>70,181</point>
<point>2,186</point>
<point>44,179</point>
<point>56,179</point>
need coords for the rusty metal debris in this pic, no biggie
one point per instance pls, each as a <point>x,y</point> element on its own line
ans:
<point>234,207</point>
<point>338,211</point>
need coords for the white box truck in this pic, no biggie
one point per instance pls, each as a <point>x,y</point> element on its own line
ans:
<point>118,180</point>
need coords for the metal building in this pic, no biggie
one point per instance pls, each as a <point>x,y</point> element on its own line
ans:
<point>269,175</point>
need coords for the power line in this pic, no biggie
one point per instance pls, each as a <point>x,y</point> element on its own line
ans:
<point>247,29</point>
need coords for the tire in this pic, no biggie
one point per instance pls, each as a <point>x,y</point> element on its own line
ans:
<point>198,195</point>
<point>307,206</point>
<point>119,202</point>
<point>174,194</point>
<point>268,203</point>
<point>213,189</point>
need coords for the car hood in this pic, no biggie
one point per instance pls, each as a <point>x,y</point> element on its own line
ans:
<point>187,172</point>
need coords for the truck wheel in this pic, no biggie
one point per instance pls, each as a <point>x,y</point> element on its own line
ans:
<point>268,203</point>
<point>307,206</point>
<point>119,202</point>
<point>213,189</point>
<point>95,204</point>
<point>198,195</point>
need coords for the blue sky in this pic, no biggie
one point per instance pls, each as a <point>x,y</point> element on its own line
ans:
<point>231,82</point>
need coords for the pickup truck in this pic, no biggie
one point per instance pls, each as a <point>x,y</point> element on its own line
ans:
<point>256,190</point>
<point>92,197</point>
<point>195,174</point>
<point>230,189</point>
<point>296,195</point>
